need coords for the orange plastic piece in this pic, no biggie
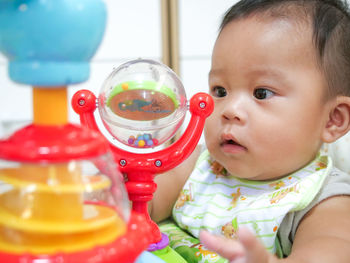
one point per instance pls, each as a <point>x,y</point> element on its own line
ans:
<point>50,106</point>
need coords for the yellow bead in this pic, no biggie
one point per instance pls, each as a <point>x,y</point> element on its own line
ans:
<point>142,143</point>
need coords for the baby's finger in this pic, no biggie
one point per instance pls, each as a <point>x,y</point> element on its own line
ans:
<point>227,248</point>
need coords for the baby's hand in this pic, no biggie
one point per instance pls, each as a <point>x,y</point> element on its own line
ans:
<point>247,249</point>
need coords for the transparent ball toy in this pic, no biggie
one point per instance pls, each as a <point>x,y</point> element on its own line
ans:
<point>71,206</point>
<point>142,103</point>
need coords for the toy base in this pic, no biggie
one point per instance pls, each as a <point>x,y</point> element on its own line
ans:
<point>163,243</point>
<point>37,73</point>
<point>169,255</point>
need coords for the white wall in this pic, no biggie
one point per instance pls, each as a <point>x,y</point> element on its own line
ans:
<point>199,24</point>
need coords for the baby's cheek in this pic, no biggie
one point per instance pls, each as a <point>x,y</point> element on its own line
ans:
<point>209,132</point>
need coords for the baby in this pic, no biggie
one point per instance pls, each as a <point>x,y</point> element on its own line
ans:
<point>280,79</point>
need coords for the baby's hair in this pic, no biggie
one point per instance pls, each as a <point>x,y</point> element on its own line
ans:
<point>330,20</point>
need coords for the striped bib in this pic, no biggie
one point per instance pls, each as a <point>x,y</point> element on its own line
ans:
<point>213,200</point>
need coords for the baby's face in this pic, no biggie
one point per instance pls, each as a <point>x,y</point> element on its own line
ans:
<point>269,93</point>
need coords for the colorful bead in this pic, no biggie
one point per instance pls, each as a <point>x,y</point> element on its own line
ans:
<point>155,141</point>
<point>125,86</point>
<point>149,142</point>
<point>141,143</point>
<point>142,140</point>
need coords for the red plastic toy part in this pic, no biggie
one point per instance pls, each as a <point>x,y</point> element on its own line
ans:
<point>37,143</point>
<point>141,168</point>
<point>201,106</point>
<point>123,250</point>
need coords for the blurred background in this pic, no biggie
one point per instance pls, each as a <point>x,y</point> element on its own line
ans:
<point>179,33</point>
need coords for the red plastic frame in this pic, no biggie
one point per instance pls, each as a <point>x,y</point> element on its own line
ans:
<point>141,168</point>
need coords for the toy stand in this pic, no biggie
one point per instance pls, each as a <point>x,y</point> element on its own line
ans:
<point>141,168</point>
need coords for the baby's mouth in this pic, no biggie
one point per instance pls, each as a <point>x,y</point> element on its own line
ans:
<point>230,143</point>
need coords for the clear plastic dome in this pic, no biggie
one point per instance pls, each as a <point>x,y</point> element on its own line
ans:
<point>61,207</point>
<point>142,103</point>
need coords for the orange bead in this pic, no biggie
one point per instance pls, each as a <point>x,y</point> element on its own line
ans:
<point>125,86</point>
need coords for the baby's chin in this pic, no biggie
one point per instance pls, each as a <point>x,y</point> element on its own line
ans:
<point>251,175</point>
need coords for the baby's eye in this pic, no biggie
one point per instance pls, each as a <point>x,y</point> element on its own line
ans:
<point>262,94</point>
<point>219,91</point>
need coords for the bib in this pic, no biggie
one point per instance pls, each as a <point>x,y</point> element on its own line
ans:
<point>216,201</point>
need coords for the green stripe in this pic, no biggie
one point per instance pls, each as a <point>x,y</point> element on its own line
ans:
<point>143,85</point>
<point>266,235</point>
<point>200,170</point>
<point>266,207</point>
<point>227,185</point>
<point>210,202</point>
<point>214,194</point>
<point>201,215</point>
<point>240,223</point>
<point>259,221</point>
<point>202,227</point>
<point>270,247</point>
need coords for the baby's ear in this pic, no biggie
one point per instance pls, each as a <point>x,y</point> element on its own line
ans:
<point>338,123</point>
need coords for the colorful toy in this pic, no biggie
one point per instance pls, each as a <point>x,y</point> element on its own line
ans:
<point>61,197</point>
<point>140,101</point>
<point>142,104</point>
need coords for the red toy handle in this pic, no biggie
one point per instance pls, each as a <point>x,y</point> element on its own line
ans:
<point>141,168</point>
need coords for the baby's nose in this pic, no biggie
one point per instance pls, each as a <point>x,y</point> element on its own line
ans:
<point>235,110</point>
